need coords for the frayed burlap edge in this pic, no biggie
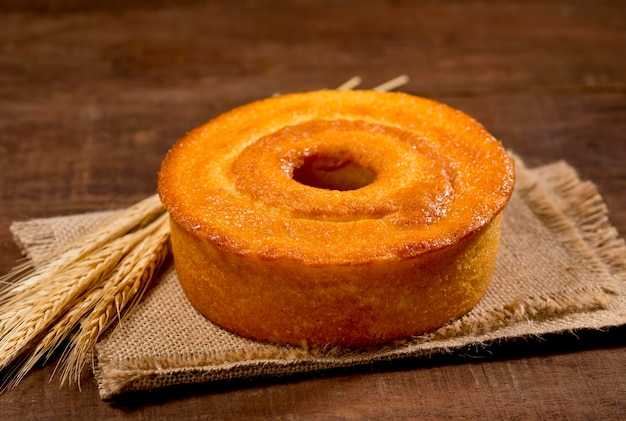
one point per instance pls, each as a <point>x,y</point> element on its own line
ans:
<point>581,202</point>
<point>577,212</point>
<point>577,215</point>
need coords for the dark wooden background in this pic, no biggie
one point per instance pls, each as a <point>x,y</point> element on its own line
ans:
<point>92,95</point>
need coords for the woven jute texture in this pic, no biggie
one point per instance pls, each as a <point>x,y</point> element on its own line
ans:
<point>561,267</point>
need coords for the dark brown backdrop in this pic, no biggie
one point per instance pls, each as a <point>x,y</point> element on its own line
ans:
<point>92,96</point>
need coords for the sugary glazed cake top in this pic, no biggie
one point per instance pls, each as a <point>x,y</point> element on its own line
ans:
<point>336,177</point>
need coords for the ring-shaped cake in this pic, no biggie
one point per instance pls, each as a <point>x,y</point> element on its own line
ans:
<point>346,218</point>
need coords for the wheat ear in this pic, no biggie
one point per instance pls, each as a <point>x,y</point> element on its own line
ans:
<point>120,293</point>
<point>138,265</point>
<point>40,307</point>
<point>61,291</point>
<point>21,280</point>
<point>55,336</point>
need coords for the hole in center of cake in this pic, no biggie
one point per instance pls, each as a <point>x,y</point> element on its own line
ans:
<point>333,172</point>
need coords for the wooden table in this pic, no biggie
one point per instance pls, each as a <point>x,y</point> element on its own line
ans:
<point>93,95</point>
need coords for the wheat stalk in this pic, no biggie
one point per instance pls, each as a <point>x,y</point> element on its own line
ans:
<point>122,288</point>
<point>120,293</point>
<point>40,308</point>
<point>55,336</point>
<point>20,279</point>
<point>392,84</point>
<point>59,293</point>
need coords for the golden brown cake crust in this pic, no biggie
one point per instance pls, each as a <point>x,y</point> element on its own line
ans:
<point>439,176</point>
<point>337,305</point>
<point>341,217</point>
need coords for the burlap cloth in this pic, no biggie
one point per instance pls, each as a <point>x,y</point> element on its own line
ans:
<point>561,267</point>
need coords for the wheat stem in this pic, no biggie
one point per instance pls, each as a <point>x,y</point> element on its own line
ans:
<point>392,84</point>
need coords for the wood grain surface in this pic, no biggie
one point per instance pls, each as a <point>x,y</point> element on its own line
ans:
<point>93,94</point>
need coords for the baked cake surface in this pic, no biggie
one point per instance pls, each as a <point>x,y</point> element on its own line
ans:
<point>336,217</point>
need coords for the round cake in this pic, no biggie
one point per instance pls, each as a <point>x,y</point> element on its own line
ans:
<point>341,218</point>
